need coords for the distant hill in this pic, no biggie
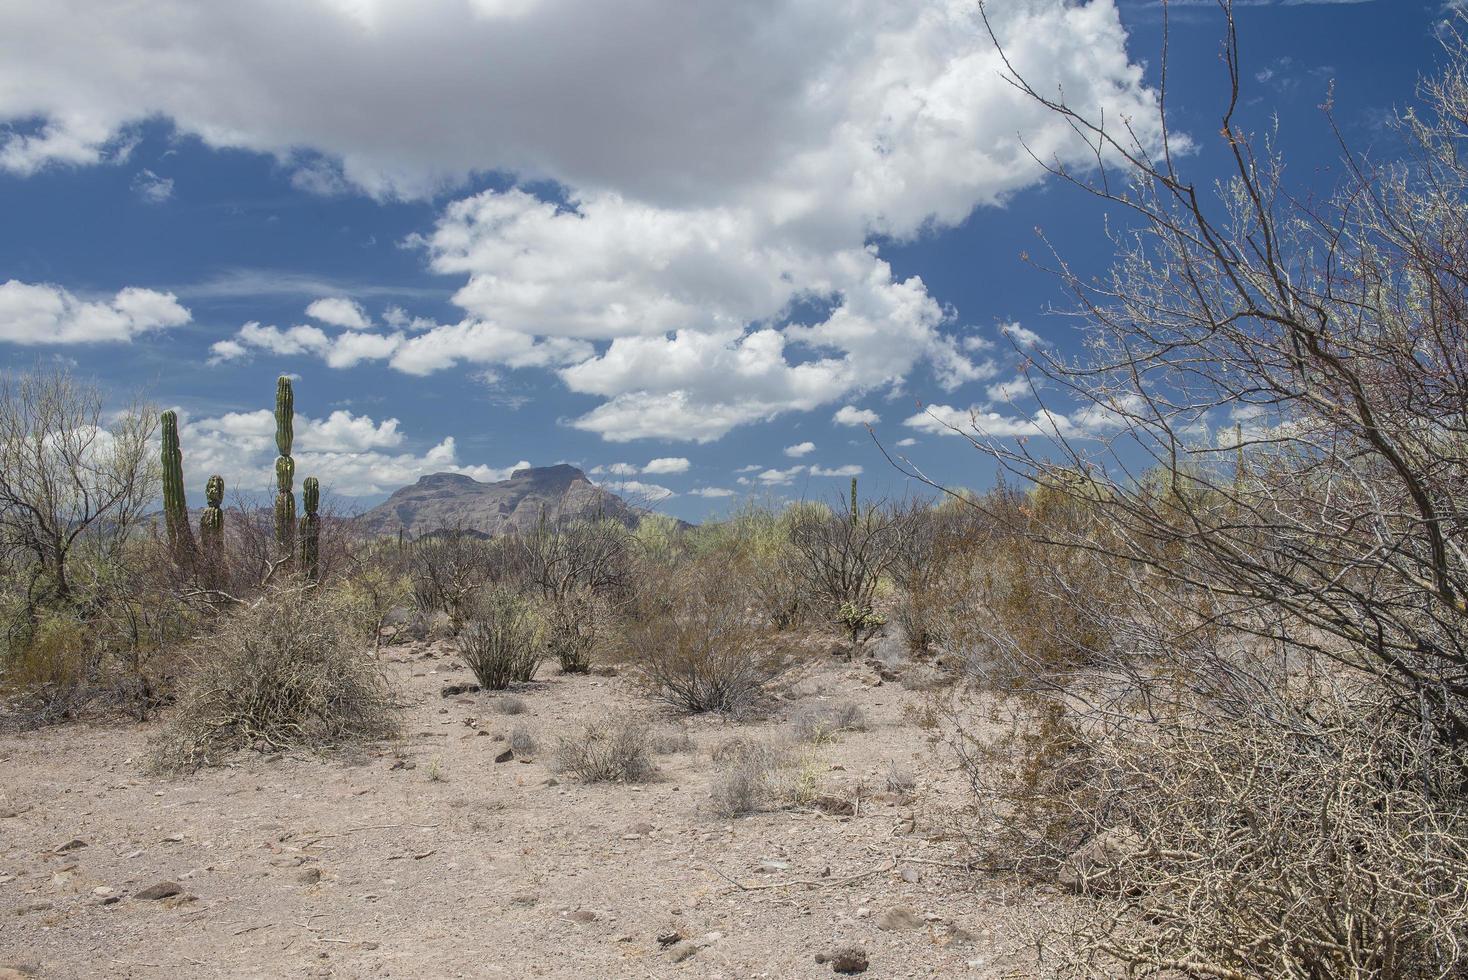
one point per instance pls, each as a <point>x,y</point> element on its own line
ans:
<point>444,500</point>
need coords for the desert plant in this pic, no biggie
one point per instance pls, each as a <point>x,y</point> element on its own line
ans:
<point>614,749</point>
<point>310,530</point>
<point>175,504</point>
<point>503,642</point>
<point>820,723</point>
<point>572,624</point>
<point>690,637</point>
<point>284,673</point>
<point>285,467</point>
<point>523,742</point>
<point>510,705</point>
<point>745,778</point>
<point>842,556</point>
<point>211,531</point>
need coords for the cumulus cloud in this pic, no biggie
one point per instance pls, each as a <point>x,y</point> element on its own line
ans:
<point>338,311</point>
<point>1021,335</point>
<point>353,455</point>
<point>849,470</point>
<point>662,275</point>
<point>151,188</point>
<point>851,415</point>
<point>800,449</point>
<point>776,477</point>
<point>667,464</point>
<point>638,492</point>
<point>711,492</point>
<point>1087,422</point>
<point>39,313</point>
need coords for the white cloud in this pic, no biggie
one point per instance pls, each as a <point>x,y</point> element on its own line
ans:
<point>849,470</point>
<point>151,188</point>
<point>787,137</point>
<point>39,313</point>
<point>638,492</point>
<point>774,477</point>
<point>351,454</point>
<point>615,469</point>
<point>1008,391</point>
<point>750,468</point>
<point>711,492</point>
<point>851,415</point>
<point>909,441</point>
<point>800,449</point>
<point>1087,422</point>
<point>338,311</point>
<point>1023,336</point>
<point>667,464</point>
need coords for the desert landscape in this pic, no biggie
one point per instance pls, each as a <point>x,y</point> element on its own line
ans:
<point>434,856</point>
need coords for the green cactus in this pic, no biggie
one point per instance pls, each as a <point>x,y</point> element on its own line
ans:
<point>175,505</point>
<point>285,467</point>
<point>310,529</point>
<point>854,507</point>
<point>211,529</point>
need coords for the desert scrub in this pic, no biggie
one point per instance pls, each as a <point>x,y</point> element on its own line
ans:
<point>689,635</point>
<point>746,778</point>
<point>611,750</point>
<point>821,723</point>
<point>523,743</point>
<point>502,643</point>
<point>289,672</point>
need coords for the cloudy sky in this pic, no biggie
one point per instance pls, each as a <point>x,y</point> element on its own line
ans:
<point>697,248</point>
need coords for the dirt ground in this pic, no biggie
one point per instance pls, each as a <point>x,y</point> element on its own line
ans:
<point>428,858</point>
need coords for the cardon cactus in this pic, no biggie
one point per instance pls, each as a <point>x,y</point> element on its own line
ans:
<point>175,505</point>
<point>310,529</point>
<point>211,524</point>
<point>285,467</point>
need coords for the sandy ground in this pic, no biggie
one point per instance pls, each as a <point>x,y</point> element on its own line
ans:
<point>427,858</point>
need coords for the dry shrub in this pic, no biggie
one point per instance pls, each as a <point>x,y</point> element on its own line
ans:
<point>692,638</point>
<point>672,743</point>
<point>1245,849</point>
<point>610,750</point>
<point>523,742</point>
<point>573,624</point>
<point>288,672</point>
<point>47,675</point>
<point>502,643</point>
<point>509,705</point>
<point>746,776</point>
<point>821,723</point>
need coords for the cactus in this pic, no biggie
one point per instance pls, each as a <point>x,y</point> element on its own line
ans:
<point>285,467</point>
<point>854,507</point>
<point>175,506</point>
<point>211,528</point>
<point>310,529</point>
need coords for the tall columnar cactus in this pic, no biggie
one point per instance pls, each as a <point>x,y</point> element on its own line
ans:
<point>285,467</point>
<point>211,526</point>
<point>854,510</point>
<point>311,529</point>
<point>175,505</point>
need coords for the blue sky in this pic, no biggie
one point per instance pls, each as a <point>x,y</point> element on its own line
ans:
<point>690,247</point>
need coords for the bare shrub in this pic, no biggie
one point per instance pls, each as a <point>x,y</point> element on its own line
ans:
<point>899,780</point>
<point>286,673</point>
<point>841,557</point>
<point>574,623</point>
<point>509,705</point>
<point>523,742</point>
<point>502,642</point>
<point>690,635</point>
<point>611,750</point>
<point>821,723</point>
<point>447,570</point>
<point>745,780</point>
<point>672,743</point>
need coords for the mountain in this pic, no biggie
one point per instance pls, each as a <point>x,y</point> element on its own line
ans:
<point>444,500</point>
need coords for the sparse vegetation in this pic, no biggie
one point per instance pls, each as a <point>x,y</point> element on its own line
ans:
<point>502,643</point>
<point>612,750</point>
<point>286,673</point>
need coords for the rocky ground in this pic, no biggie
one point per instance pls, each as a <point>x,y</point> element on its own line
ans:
<point>429,857</point>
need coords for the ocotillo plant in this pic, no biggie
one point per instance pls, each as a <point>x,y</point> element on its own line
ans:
<point>285,467</point>
<point>311,529</point>
<point>175,506</point>
<point>211,528</point>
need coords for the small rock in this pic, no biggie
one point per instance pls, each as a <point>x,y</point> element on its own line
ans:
<point>681,951</point>
<point>552,781</point>
<point>452,690</point>
<point>834,805</point>
<point>845,959</point>
<point>506,756</point>
<point>28,907</point>
<point>582,915</point>
<point>911,875</point>
<point>770,867</point>
<point>163,889</point>
<point>668,937</point>
<point>309,876</point>
<point>525,900</point>
<point>899,919</point>
<point>642,828</point>
<point>75,844</point>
